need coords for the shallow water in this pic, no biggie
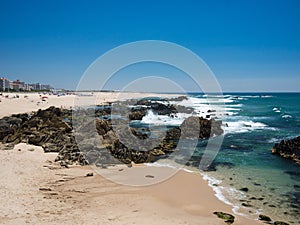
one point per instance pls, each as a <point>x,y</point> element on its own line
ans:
<point>252,124</point>
<point>272,182</point>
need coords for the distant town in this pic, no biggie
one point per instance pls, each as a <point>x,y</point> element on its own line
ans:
<point>17,85</point>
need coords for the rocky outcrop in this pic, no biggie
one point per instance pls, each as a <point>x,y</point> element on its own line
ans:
<point>137,113</point>
<point>157,107</point>
<point>142,106</point>
<point>114,140</point>
<point>289,149</point>
<point>205,128</point>
<point>98,141</point>
<point>46,128</point>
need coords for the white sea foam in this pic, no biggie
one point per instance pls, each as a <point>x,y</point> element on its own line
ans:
<point>169,164</point>
<point>242,126</point>
<point>214,96</point>
<point>220,190</point>
<point>286,116</point>
<point>232,109</point>
<point>234,105</point>
<point>237,98</point>
<point>273,140</point>
<point>267,96</point>
<point>205,108</point>
<point>164,164</point>
<point>276,110</point>
<point>213,183</point>
<point>250,96</point>
<point>152,118</point>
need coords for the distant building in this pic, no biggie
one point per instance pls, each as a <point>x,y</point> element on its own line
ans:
<point>39,87</point>
<point>46,87</point>
<point>28,87</point>
<point>36,86</point>
<point>18,85</point>
<point>4,84</point>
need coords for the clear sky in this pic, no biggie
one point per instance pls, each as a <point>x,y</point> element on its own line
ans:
<point>249,45</point>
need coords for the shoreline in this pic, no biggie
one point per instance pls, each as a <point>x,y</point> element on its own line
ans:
<point>182,204</point>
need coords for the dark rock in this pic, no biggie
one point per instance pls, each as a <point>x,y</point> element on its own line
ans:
<point>264,218</point>
<point>102,126</point>
<point>46,128</point>
<point>245,189</point>
<point>162,109</point>
<point>205,128</point>
<point>157,107</point>
<point>136,115</point>
<point>178,99</point>
<point>8,146</point>
<point>229,219</point>
<point>294,174</point>
<point>45,189</point>
<point>289,149</point>
<point>52,129</point>
<point>246,205</point>
<point>89,175</point>
<point>280,223</point>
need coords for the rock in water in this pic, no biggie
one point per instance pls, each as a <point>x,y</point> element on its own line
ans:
<point>245,189</point>
<point>264,218</point>
<point>289,149</point>
<point>229,219</point>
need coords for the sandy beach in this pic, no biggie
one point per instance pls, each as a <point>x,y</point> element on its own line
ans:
<point>33,101</point>
<point>37,190</point>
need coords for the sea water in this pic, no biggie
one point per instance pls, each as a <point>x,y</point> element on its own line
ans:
<point>252,124</point>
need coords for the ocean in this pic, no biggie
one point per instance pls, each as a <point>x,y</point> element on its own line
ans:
<point>246,175</point>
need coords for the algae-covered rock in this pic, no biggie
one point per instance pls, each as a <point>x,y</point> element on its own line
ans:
<point>228,218</point>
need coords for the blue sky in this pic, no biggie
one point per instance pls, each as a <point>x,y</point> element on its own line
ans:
<point>249,45</point>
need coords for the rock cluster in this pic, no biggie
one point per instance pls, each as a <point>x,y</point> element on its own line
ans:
<point>115,140</point>
<point>289,149</point>
<point>95,140</point>
<point>268,220</point>
<point>46,128</point>
<point>142,106</point>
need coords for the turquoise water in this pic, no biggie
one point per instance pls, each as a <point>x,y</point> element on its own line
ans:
<point>252,124</point>
<point>245,160</point>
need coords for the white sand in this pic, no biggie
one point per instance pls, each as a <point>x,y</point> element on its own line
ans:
<point>33,101</point>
